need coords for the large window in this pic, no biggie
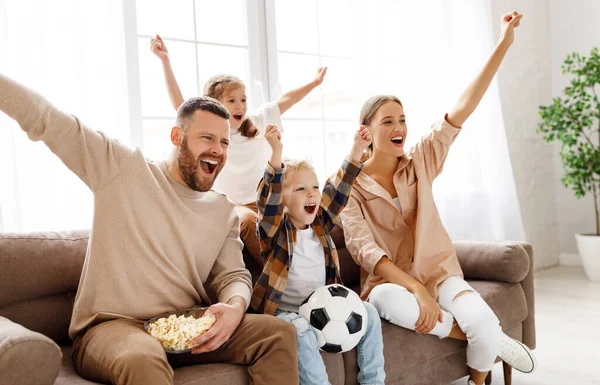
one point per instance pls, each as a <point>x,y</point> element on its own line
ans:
<point>312,34</point>
<point>93,60</point>
<point>200,46</point>
<point>274,46</point>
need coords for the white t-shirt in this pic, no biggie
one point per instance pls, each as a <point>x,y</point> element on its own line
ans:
<point>307,270</point>
<point>248,157</point>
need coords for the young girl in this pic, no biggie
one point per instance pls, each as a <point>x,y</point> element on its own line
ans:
<point>393,230</point>
<point>299,254</point>
<point>248,150</point>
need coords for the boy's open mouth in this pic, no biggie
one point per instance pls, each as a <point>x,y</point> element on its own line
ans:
<point>208,166</point>
<point>310,208</point>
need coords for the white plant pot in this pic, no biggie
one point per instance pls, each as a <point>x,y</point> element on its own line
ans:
<point>589,251</point>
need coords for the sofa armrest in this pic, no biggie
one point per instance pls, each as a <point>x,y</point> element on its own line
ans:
<point>27,357</point>
<point>502,261</point>
<point>496,261</point>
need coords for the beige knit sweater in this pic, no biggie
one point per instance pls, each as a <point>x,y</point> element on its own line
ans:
<point>154,242</point>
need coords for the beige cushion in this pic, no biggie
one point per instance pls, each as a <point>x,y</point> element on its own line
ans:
<point>26,357</point>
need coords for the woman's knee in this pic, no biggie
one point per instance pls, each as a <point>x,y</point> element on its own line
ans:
<point>478,321</point>
<point>395,304</point>
<point>387,293</point>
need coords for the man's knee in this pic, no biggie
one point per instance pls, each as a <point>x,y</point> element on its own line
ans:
<point>140,367</point>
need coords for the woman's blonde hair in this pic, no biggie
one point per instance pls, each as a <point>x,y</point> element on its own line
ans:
<point>216,86</point>
<point>370,108</point>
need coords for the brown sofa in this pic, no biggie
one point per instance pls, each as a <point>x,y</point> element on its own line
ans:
<point>39,274</point>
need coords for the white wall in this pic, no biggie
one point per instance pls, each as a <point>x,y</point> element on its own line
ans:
<point>525,83</point>
<point>574,26</point>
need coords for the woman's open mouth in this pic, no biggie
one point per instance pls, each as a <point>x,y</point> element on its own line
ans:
<point>398,140</point>
<point>208,166</point>
<point>238,117</point>
<point>310,208</point>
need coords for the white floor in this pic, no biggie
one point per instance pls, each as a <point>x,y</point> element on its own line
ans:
<point>568,331</point>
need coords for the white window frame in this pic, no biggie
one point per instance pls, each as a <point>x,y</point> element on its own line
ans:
<point>262,66</point>
<point>258,69</point>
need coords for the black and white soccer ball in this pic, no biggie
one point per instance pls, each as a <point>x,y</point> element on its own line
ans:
<point>338,317</point>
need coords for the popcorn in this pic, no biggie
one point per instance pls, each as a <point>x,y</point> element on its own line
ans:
<point>178,333</point>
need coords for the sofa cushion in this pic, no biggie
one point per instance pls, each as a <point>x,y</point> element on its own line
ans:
<point>27,357</point>
<point>39,277</point>
<point>40,264</point>
<point>507,300</point>
<point>48,315</point>
<point>496,261</point>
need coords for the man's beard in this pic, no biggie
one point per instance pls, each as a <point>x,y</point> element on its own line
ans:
<point>188,167</point>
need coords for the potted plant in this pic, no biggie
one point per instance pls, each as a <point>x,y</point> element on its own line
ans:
<point>574,122</point>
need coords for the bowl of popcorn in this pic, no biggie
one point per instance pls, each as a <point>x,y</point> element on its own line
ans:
<point>177,331</point>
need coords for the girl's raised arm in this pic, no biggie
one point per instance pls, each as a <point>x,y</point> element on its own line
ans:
<point>159,48</point>
<point>287,100</point>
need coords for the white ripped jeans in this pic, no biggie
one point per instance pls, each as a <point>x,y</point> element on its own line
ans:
<point>397,305</point>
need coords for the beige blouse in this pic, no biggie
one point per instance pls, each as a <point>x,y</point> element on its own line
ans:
<point>413,238</point>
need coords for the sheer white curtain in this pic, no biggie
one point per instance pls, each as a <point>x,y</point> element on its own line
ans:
<point>426,53</point>
<point>72,52</point>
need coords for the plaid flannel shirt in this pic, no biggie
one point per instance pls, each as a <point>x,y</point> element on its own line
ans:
<point>278,235</point>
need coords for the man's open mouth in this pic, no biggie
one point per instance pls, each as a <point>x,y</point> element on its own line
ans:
<point>310,208</point>
<point>209,166</point>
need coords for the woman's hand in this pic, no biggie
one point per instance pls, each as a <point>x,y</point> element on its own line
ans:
<point>430,312</point>
<point>510,21</point>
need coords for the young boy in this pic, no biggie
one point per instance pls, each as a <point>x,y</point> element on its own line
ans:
<point>294,221</point>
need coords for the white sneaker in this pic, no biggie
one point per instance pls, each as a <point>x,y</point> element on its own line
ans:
<point>517,355</point>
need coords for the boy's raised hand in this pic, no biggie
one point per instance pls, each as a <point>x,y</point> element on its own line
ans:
<point>273,136</point>
<point>510,21</point>
<point>321,72</point>
<point>159,48</point>
<point>362,139</point>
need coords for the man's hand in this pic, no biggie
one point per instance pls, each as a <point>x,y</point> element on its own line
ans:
<point>510,21</point>
<point>321,72</point>
<point>159,48</point>
<point>229,317</point>
<point>362,139</point>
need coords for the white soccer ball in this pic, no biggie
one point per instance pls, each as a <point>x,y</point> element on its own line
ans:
<point>338,317</point>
